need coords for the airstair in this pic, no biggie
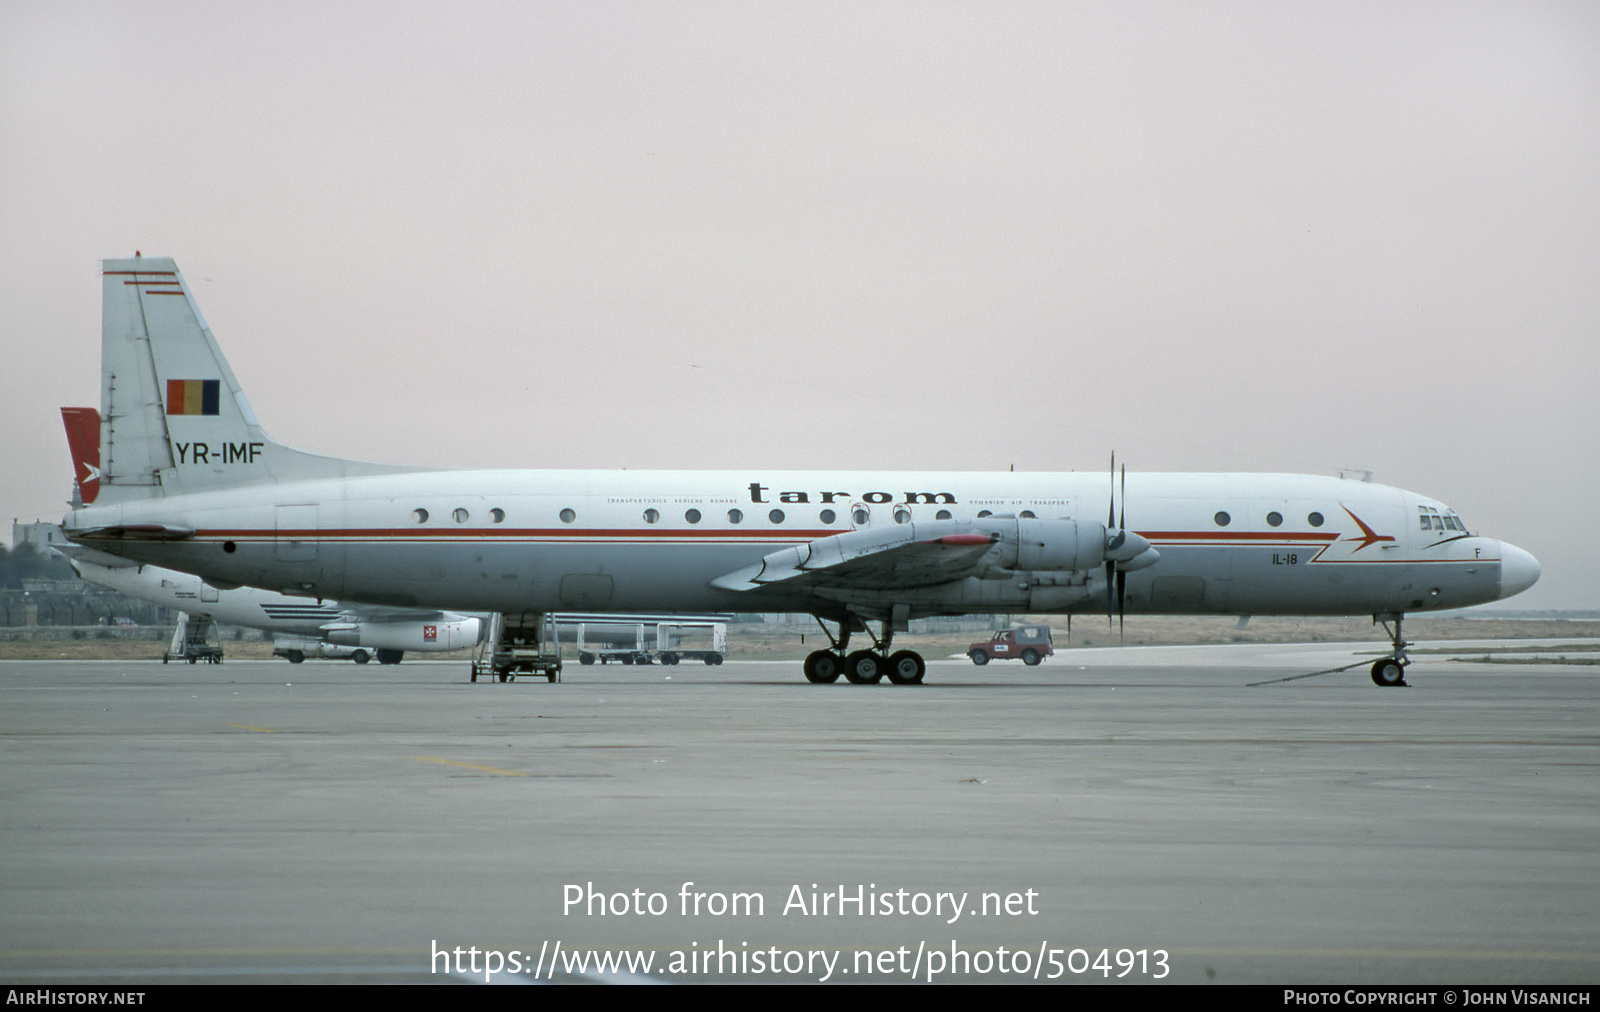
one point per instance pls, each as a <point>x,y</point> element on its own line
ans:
<point>191,641</point>
<point>518,643</point>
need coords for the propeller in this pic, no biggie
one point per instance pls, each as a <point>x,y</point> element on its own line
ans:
<point>1111,520</point>
<point>1116,577</point>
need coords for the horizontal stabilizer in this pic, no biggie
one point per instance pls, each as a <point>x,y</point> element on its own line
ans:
<point>94,557</point>
<point>133,532</point>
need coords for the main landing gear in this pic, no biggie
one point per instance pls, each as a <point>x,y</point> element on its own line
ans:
<point>1391,671</point>
<point>863,667</point>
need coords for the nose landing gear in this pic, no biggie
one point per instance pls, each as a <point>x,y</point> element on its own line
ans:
<point>1390,672</point>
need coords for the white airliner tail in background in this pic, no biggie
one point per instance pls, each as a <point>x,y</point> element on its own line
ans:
<point>170,399</point>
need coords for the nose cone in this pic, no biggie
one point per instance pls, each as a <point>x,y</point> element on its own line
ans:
<point>1518,570</point>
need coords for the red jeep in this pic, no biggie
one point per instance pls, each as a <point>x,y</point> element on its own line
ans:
<point>1029,642</point>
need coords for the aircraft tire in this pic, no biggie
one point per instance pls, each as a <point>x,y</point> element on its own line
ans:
<point>295,657</point>
<point>821,667</point>
<point>1388,673</point>
<point>864,668</point>
<point>669,659</point>
<point>586,658</point>
<point>1030,657</point>
<point>979,658</point>
<point>906,667</point>
<point>360,657</point>
<point>386,656</point>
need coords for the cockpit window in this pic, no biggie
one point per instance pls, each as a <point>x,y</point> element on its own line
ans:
<point>1429,518</point>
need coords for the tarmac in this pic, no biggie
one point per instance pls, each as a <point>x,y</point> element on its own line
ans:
<point>1155,814</point>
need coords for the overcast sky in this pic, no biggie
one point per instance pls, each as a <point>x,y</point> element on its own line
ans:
<point>1226,236</point>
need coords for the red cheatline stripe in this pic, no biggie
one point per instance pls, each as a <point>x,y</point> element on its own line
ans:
<point>407,534</point>
<point>1261,539</point>
<point>1238,536</point>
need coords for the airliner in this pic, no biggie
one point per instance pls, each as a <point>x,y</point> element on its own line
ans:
<point>190,481</point>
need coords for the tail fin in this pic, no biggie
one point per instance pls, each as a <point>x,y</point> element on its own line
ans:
<point>83,440</point>
<point>173,416</point>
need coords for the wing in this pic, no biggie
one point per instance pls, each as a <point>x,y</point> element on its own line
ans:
<point>914,555</point>
<point>902,557</point>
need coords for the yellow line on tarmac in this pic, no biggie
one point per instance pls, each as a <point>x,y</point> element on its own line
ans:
<point>252,727</point>
<point>471,766</point>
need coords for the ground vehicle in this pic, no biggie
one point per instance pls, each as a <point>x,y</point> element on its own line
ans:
<point>1030,642</point>
<point>669,646</point>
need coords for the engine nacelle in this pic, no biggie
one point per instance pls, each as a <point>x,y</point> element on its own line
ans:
<point>426,634</point>
<point>1059,544</point>
<point>1067,545</point>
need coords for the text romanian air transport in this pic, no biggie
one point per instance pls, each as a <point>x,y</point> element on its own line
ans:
<point>190,481</point>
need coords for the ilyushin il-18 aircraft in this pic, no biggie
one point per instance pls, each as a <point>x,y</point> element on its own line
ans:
<point>190,481</point>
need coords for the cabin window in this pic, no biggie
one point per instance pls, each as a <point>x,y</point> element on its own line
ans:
<point>984,513</point>
<point>859,515</point>
<point>652,516</point>
<point>1026,514</point>
<point>901,515</point>
<point>460,515</point>
<point>776,516</point>
<point>1275,519</point>
<point>735,516</point>
<point>567,516</point>
<point>827,516</point>
<point>1314,519</point>
<point>421,515</point>
<point>942,515</point>
<point>693,516</point>
<point>1222,518</point>
<point>497,515</point>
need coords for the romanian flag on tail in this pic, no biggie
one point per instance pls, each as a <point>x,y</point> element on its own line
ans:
<point>193,397</point>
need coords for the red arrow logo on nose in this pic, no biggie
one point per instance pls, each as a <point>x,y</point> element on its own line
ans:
<point>1370,537</point>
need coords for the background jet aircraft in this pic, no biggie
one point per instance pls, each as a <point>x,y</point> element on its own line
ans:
<point>192,482</point>
<point>384,633</point>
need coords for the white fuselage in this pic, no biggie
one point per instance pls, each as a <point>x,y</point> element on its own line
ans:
<point>656,540</point>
